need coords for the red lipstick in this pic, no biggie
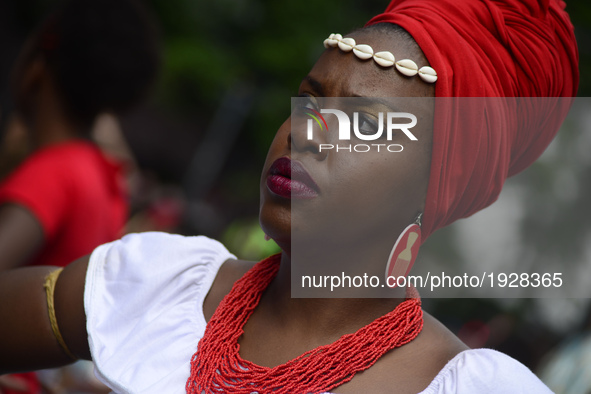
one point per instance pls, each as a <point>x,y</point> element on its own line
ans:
<point>289,179</point>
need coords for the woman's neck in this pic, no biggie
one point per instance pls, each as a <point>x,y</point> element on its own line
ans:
<point>321,316</point>
<point>282,328</point>
<point>48,121</point>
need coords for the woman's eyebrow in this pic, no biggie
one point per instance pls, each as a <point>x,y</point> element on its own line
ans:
<point>389,103</point>
<point>363,100</point>
<point>316,86</point>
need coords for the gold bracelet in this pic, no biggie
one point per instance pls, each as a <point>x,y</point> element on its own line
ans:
<point>49,286</point>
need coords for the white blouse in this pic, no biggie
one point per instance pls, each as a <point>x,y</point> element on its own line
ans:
<point>144,306</point>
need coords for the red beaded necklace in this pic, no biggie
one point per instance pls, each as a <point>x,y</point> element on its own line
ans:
<point>217,367</point>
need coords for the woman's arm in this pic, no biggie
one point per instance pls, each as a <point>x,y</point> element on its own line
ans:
<point>27,341</point>
<point>21,235</point>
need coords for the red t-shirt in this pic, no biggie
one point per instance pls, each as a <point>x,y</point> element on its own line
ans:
<point>78,197</point>
<point>76,194</point>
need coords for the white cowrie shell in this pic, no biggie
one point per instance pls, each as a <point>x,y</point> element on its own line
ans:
<point>330,41</point>
<point>407,67</point>
<point>363,51</point>
<point>384,59</point>
<point>427,74</point>
<point>346,44</point>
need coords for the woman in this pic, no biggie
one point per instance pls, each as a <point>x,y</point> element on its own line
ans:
<point>67,196</point>
<point>89,58</point>
<point>151,300</point>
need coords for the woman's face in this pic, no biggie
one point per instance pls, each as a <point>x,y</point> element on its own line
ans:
<point>353,196</point>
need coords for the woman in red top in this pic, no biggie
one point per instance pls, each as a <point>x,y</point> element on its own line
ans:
<point>67,196</point>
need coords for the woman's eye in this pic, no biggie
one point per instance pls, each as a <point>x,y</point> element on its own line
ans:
<point>367,125</point>
<point>306,101</point>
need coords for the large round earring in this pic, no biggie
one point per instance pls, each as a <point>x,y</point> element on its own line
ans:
<point>404,253</point>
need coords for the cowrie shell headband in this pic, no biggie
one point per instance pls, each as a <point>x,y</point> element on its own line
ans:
<point>385,59</point>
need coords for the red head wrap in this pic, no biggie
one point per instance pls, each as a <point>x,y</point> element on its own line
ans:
<point>488,48</point>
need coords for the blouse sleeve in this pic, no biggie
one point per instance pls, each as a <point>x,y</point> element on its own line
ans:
<point>144,307</point>
<point>485,371</point>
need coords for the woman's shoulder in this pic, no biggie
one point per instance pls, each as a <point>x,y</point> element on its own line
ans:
<point>485,371</point>
<point>437,362</point>
<point>464,370</point>
<point>62,152</point>
<point>156,261</point>
<point>70,160</point>
<point>143,299</point>
<point>162,251</point>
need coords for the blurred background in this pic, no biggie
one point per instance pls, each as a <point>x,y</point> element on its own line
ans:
<point>199,142</point>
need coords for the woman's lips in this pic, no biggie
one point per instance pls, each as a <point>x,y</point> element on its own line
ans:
<point>289,179</point>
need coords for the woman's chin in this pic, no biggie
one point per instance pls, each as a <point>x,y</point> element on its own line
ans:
<point>275,222</point>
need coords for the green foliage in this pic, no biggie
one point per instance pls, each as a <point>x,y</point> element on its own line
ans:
<point>245,238</point>
<point>210,46</point>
